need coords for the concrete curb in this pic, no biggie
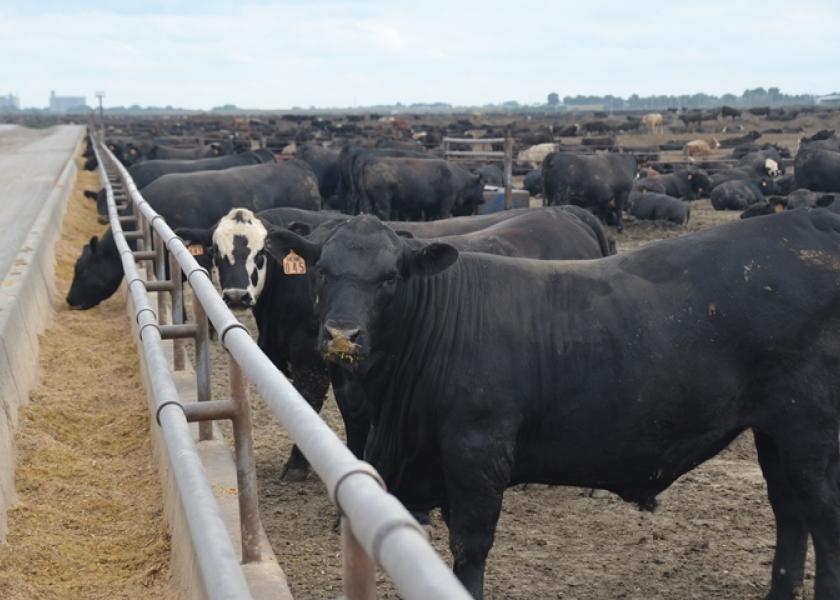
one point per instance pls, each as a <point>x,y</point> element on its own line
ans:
<point>26,300</point>
<point>266,580</point>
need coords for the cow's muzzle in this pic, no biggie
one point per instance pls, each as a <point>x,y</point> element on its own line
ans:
<point>340,344</point>
<point>237,298</point>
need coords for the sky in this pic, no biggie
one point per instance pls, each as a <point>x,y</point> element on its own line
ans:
<point>325,53</point>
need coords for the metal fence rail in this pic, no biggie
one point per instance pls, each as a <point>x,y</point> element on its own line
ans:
<point>376,528</point>
<point>217,562</point>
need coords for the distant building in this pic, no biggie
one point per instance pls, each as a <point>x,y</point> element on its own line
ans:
<point>66,103</point>
<point>10,102</point>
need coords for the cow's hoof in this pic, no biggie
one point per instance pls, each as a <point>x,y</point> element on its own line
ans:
<point>294,474</point>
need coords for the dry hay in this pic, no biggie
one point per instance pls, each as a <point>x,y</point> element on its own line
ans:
<point>88,522</point>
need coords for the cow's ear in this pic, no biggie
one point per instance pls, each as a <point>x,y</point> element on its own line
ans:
<point>94,241</point>
<point>281,240</point>
<point>195,236</point>
<point>430,259</point>
<point>300,228</point>
<point>825,200</point>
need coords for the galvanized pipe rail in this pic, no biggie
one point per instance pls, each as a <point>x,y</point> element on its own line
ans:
<point>376,528</point>
<point>217,562</point>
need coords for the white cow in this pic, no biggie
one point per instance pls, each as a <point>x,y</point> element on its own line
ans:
<point>700,147</point>
<point>536,154</point>
<point>654,122</point>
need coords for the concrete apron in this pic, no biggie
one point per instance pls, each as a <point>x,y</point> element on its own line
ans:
<point>266,580</point>
<point>26,299</point>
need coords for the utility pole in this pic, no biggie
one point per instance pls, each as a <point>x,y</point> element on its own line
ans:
<point>101,95</point>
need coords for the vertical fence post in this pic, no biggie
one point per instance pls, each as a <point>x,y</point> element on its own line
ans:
<point>160,275</point>
<point>508,169</point>
<point>246,470</point>
<point>202,365</point>
<point>359,571</point>
<point>177,311</point>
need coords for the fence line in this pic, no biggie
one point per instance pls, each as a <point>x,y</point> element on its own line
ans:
<point>376,528</point>
<point>217,562</point>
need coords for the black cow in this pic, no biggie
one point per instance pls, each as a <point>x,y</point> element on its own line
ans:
<point>351,162</point>
<point>601,183</point>
<point>747,138</point>
<point>283,305</point>
<point>659,207</point>
<point>195,200</point>
<point>533,182</point>
<point>687,184</point>
<point>418,188</point>
<point>132,152</point>
<point>324,161</point>
<point>695,116</point>
<point>763,163</point>
<point>728,111</point>
<point>480,372</point>
<point>146,172</point>
<point>765,184</point>
<point>491,175</point>
<point>737,194</point>
<point>817,168</point>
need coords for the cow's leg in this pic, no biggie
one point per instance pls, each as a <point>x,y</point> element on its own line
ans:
<point>356,421</point>
<point>476,475</point>
<point>791,529</point>
<point>313,383</point>
<point>811,460</point>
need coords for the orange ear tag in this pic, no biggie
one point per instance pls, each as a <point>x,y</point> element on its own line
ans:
<point>196,249</point>
<point>294,264</point>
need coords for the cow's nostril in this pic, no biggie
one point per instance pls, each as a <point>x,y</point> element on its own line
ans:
<point>338,333</point>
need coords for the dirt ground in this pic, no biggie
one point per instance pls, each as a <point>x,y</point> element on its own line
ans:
<point>88,522</point>
<point>711,537</point>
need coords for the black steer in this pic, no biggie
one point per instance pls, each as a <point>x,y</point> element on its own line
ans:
<point>601,183</point>
<point>480,372</point>
<point>687,184</point>
<point>659,207</point>
<point>533,182</point>
<point>283,304</point>
<point>736,195</point>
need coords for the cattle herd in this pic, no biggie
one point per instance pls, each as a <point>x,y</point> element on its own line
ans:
<point>470,351</point>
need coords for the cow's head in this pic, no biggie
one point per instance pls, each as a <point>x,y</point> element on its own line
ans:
<point>700,182</point>
<point>773,205</point>
<point>767,186</point>
<point>102,206</point>
<point>471,196</point>
<point>771,167</point>
<point>97,275</point>
<point>236,247</point>
<point>362,271</point>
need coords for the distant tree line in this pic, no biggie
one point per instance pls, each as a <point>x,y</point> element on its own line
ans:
<point>750,98</point>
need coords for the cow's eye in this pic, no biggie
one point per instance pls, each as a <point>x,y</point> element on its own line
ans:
<point>259,259</point>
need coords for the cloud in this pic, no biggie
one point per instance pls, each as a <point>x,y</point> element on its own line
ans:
<point>329,53</point>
